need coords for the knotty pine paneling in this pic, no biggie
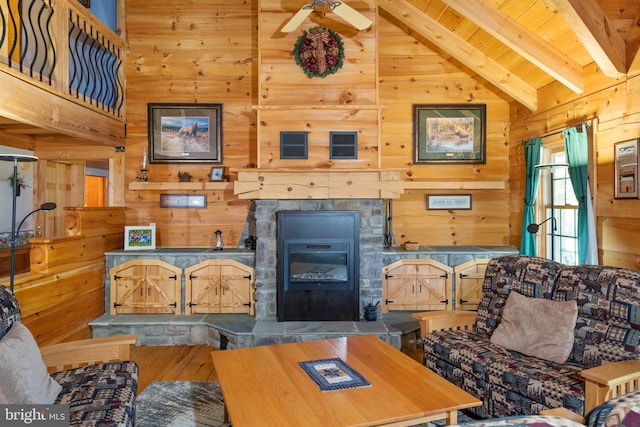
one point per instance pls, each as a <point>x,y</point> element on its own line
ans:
<point>319,124</point>
<point>57,306</point>
<point>411,73</point>
<point>191,52</point>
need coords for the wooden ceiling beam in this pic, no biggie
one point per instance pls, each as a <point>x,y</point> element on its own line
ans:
<point>633,41</point>
<point>462,51</point>
<point>587,19</point>
<point>526,43</point>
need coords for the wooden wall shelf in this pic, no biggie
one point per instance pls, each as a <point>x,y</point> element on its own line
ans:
<point>321,107</point>
<point>454,185</point>
<point>345,184</point>
<point>170,186</point>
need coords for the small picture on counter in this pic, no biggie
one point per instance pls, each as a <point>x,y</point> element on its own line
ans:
<point>140,237</point>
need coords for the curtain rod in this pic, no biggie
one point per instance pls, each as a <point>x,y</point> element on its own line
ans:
<point>588,123</point>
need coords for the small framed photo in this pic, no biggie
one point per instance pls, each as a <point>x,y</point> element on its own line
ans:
<point>85,3</point>
<point>449,133</point>
<point>626,169</point>
<point>449,201</point>
<point>139,237</point>
<point>217,174</point>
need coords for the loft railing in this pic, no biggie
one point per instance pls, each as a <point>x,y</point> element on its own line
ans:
<point>60,46</point>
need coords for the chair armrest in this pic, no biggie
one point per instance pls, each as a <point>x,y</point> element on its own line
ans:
<point>442,320</point>
<point>563,413</point>
<point>608,381</point>
<point>73,354</point>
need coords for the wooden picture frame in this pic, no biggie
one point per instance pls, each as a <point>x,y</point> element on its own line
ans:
<point>449,133</point>
<point>627,163</point>
<point>449,201</point>
<point>185,133</point>
<point>139,237</point>
<point>217,174</point>
<point>197,201</point>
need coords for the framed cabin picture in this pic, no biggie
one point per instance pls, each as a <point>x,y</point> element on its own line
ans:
<point>626,169</point>
<point>449,133</point>
<point>185,133</point>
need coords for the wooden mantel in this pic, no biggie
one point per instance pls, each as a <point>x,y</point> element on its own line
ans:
<point>318,183</point>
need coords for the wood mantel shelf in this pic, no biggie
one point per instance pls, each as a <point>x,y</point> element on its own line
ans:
<point>291,183</point>
<point>318,183</point>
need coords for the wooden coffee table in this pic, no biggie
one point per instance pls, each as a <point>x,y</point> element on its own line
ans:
<point>265,386</point>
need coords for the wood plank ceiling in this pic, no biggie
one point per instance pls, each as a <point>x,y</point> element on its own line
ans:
<point>517,46</point>
<point>520,46</point>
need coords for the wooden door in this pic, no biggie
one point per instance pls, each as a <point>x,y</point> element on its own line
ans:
<point>469,278</point>
<point>433,285</point>
<point>417,284</point>
<point>145,286</point>
<point>219,286</point>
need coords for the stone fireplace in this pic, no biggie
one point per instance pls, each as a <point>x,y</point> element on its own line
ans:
<point>371,244</point>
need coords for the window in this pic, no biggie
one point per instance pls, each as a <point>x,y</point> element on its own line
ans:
<point>556,199</point>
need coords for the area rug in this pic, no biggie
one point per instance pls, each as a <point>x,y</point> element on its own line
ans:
<point>180,404</point>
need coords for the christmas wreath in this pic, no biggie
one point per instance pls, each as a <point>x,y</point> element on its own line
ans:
<point>319,52</point>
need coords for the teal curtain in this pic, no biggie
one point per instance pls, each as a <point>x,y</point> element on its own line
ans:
<point>532,158</point>
<point>576,147</point>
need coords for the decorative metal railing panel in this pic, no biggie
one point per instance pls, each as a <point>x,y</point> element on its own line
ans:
<point>60,44</point>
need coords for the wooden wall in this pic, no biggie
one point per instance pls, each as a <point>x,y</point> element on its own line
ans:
<point>180,53</point>
<point>614,107</point>
<point>219,53</point>
<point>412,73</point>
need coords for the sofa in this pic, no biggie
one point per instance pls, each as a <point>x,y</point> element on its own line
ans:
<point>92,377</point>
<point>588,315</point>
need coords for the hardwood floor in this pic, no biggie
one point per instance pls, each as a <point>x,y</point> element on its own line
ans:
<point>173,363</point>
<point>181,363</point>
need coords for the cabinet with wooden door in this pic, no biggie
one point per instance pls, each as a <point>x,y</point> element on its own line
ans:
<point>469,277</point>
<point>145,286</point>
<point>417,284</point>
<point>219,286</point>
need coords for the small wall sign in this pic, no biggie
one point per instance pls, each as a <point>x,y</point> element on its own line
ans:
<point>183,201</point>
<point>449,201</point>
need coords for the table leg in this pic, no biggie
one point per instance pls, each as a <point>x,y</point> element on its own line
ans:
<point>452,417</point>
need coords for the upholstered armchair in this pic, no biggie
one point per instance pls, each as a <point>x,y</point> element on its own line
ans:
<point>94,376</point>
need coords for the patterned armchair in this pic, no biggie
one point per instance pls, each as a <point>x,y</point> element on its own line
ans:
<point>93,377</point>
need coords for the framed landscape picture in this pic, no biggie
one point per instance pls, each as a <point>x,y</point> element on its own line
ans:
<point>185,133</point>
<point>449,133</point>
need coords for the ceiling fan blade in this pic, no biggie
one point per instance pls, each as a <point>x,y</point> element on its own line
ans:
<point>350,15</point>
<point>297,19</point>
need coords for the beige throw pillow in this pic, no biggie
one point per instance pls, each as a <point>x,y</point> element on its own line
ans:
<point>537,327</point>
<point>23,375</point>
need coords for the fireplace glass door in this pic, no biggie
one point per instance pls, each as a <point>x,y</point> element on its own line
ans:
<point>317,266</point>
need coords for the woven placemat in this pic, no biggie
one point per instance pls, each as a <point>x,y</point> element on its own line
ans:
<point>333,374</point>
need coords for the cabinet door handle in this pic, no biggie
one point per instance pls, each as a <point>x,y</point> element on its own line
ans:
<point>148,291</point>
<point>141,292</point>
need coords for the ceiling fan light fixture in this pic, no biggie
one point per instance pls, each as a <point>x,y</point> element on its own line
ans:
<point>343,10</point>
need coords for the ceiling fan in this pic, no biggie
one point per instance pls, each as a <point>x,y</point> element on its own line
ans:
<point>341,9</point>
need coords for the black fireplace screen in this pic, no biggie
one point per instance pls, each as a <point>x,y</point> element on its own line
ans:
<point>317,266</point>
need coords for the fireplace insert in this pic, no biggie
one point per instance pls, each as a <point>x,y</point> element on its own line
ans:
<point>318,265</point>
